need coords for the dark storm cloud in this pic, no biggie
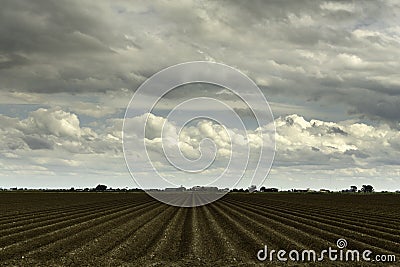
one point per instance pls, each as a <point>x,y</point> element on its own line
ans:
<point>12,60</point>
<point>51,27</point>
<point>58,46</point>
<point>327,52</point>
<point>387,107</point>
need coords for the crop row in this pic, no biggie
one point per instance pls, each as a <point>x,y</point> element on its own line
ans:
<point>138,230</point>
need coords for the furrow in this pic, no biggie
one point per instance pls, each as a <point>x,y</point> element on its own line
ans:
<point>52,235</point>
<point>99,236</point>
<point>350,219</point>
<point>24,226</point>
<point>324,231</point>
<point>142,241</point>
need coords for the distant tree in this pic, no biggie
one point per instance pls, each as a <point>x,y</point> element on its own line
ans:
<point>367,188</point>
<point>262,189</point>
<point>353,188</point>
<point>271,190</point>
<point>101,187</point>
<point>72,189</point>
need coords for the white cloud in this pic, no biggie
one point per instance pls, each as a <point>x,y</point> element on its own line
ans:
<point>53,122</point>
<point>53,140</point>
<point>300,143</point>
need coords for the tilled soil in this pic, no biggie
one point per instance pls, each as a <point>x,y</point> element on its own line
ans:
<point>132,229</point>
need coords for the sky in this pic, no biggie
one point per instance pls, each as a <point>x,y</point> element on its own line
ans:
<point>329,71</point>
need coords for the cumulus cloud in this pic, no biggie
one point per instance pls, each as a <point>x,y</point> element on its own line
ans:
<point>56,133</point>
<point>337,145</point>
<point>53,137</point>
<point>350,147</point>
<point>53,122</point>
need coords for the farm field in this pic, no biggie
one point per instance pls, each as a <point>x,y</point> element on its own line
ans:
<point>132,229</point>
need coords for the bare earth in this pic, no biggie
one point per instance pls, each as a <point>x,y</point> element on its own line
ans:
<point>132,229</point>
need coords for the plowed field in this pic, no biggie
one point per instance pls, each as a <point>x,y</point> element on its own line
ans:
<point>132,229</point>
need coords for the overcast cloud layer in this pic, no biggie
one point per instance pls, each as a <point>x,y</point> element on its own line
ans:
<point>328,69</point>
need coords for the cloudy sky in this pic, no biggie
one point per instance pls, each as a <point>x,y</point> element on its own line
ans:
<point>328,69</point>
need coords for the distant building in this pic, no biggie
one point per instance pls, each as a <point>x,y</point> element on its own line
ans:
<point>175,189</point>
<point>153,190</point>
<point>324,191</point>
<point>205,188</point>
<point>196,188</point>
<point>300,190</point>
